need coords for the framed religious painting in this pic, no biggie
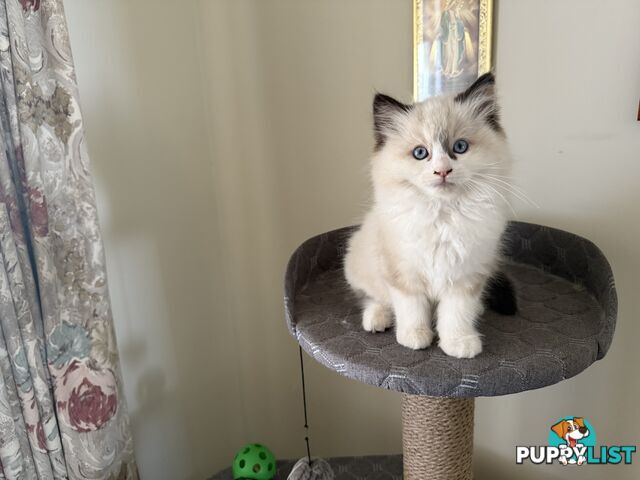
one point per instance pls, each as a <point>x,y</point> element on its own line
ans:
<point>452,44</point>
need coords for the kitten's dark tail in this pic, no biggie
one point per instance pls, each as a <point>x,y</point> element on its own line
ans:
<point>500,295</point>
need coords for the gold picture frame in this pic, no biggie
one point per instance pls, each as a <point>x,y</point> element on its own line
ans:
<point>445,65</point>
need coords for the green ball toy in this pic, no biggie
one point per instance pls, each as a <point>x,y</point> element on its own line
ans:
<point>254,462</point>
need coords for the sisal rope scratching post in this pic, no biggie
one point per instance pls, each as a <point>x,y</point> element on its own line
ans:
<point>437,437</point>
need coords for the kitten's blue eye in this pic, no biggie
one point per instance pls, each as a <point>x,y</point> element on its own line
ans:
<point>420,153</point>
<point>460,146</point>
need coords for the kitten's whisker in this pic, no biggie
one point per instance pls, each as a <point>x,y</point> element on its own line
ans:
<point>483,194</point>
<point>495,169</point>
<point>482,190</point>
<point>516,191</point>
<point>495,177</point>
<point>492,188</point>
<point>502,178</point>
<point>519,195</point>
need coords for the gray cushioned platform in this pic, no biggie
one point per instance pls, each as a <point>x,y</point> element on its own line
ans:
<point>379,467</point>
<point>566,319</point>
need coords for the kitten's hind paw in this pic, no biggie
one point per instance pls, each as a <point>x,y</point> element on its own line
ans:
<point>376,317</point>
<point>462,347</point>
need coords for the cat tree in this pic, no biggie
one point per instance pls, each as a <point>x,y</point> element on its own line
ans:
<point>565,322</point>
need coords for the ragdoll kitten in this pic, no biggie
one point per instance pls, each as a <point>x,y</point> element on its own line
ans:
<point>431,242</point>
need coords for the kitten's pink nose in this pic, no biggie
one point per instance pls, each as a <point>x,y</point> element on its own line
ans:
<point>443,173</point>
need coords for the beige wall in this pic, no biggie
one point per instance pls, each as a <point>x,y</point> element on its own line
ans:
<point>225,132</point>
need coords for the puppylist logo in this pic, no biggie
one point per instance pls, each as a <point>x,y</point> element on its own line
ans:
<point>572,441</point>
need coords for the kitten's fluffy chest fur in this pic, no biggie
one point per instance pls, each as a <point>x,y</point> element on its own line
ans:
<point>436,244</point>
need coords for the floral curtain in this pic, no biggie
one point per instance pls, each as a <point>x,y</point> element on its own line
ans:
<point>62,410</point>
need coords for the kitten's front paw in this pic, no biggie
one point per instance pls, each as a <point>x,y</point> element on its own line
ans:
<point>414,338</point>
<point>462,347</point>
<point>376,318</point>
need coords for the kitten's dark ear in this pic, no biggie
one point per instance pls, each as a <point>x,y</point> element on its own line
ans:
<point>481,96</point>
<point>385,114</point>
<point>484,86</point>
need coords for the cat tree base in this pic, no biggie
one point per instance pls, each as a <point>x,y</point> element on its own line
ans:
<point>437,437</point>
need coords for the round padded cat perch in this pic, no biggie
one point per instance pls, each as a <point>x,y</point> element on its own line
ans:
<point>567,307</point>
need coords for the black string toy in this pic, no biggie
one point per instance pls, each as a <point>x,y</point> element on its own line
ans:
<point>309,468</point>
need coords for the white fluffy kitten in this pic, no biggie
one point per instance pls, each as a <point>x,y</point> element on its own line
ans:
<point>431,240</point>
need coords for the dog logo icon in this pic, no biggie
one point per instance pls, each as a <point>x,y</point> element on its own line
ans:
<point>572,441</point>
<point>573,432</point>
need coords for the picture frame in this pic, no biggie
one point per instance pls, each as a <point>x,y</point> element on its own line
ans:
<point>452,45</point>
